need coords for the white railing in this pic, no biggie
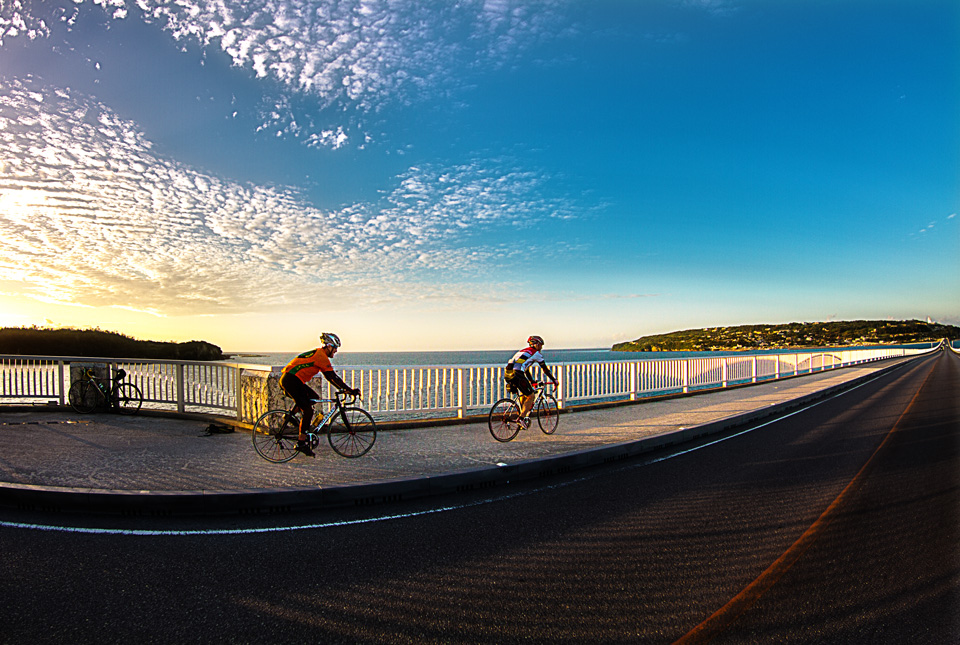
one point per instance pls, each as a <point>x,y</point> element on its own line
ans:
<point>177,385</point>
<point>397,392</point>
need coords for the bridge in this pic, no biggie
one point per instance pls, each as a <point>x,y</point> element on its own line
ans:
<point>152,463</point>
<point>817,508</point>
<point>244,391</point>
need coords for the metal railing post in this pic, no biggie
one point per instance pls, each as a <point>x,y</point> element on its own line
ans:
<point>238,391</point>
<point>561,385</point>
<point>180,388</point>
<point>62,386</point>
<point>461,403</point>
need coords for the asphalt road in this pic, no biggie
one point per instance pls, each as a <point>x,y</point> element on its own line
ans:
<point>838,523</point>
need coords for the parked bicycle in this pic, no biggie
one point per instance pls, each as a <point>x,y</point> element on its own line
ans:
<point>504,417</point>
<point>91,392</point>
<point>350,430</point>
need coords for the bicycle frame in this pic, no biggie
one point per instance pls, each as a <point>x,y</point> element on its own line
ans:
<point>336,408</point>
<point>275,433</point>
<point>504,417</point>
<point>538,392</point>
<point>115,393</point>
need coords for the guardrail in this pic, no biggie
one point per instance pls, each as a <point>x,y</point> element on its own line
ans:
<point>165,384</point>
<point>244,391</point>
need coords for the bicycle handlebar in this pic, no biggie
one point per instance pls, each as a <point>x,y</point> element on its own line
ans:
<point>346,398</point>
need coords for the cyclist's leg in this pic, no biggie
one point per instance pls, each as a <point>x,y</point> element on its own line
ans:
<point>303,396</point>
<point>526,394</point>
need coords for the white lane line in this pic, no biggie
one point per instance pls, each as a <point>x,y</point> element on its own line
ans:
<point>399,516</point>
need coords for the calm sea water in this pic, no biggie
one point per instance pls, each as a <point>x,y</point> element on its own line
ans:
<point>478,357</point>
<point>471,357</point>
<point>407,359</point>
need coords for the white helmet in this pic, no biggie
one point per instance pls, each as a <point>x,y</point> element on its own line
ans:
<point>329,338</point>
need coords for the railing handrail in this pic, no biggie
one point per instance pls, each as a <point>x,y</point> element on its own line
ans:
<point>115,359</point>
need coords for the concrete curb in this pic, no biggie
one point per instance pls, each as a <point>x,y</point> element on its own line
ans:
<point>265,500</point>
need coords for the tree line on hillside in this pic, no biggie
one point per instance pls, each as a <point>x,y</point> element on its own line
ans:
<point>794,335</point>
<point>33,341</point>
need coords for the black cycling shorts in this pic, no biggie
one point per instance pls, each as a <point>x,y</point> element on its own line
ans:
<point>299,391</point>
<point>517,380</point>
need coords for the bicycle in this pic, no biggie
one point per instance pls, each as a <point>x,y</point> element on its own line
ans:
<point>350,430</point>
<point>91,392</point>
<point>504,417</point>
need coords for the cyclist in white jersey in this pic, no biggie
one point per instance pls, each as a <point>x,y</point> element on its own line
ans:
<point>516,375</point>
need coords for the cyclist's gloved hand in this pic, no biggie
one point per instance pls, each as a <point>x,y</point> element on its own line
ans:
<point>353,391</point>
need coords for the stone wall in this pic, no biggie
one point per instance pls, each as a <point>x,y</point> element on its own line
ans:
<point>260,391</point>
<point>100,370</point>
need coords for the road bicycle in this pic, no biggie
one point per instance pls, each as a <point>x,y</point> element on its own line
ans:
<point>92,392</point>
<point>504,417</point>
<point>350,430</point>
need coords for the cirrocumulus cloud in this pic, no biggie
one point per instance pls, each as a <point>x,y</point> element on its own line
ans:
<point>92,216</point>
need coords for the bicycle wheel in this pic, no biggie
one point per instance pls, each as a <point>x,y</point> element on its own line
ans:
<point>548,413</point>
<point>275,435</point>
<point>356,437</point>
<point>83,397</point>
<point>504,419</point>
<point>128,398</point>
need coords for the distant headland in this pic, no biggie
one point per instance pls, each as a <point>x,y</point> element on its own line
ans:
<point>33,341</point>
<point>793,336</point>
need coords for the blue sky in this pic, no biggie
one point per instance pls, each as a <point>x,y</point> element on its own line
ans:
<point>460,175</point>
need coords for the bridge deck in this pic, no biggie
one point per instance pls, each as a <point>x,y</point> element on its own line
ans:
<point>109,462</point>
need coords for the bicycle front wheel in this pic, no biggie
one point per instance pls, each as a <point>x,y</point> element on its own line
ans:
<point>504,420</point>
<point>128,398</point>
<point>355,437</point>
<point>275,436</point>
<point>548,413</point>
<point>83,397</point>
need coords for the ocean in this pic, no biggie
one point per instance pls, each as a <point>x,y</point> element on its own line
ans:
<point>496,357</point>
<point>468,357</point>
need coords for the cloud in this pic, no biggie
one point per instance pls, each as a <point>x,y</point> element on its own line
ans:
<point>933,224</point>
<point>90,215</point>
<point>17,21</point>
<point>354,56</point>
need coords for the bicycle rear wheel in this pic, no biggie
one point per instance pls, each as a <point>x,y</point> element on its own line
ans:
<point>275,435</point>
<point>83,397</point>
<point>355,437</point>
<point>548,413</point>
<point>504,420</point>
<point>128,398</point>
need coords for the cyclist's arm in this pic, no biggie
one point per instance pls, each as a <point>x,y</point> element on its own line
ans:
<point>546,370</point>
<point>339,383</point>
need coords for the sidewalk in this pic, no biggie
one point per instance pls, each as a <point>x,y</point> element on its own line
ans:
<point>56,460</point>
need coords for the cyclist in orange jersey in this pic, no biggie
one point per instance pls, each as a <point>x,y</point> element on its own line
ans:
<point>299,371</point>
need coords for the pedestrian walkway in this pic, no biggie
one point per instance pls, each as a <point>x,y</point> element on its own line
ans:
<point>60,460</point>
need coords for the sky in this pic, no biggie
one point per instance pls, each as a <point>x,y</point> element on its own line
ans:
<point>459,175</point>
